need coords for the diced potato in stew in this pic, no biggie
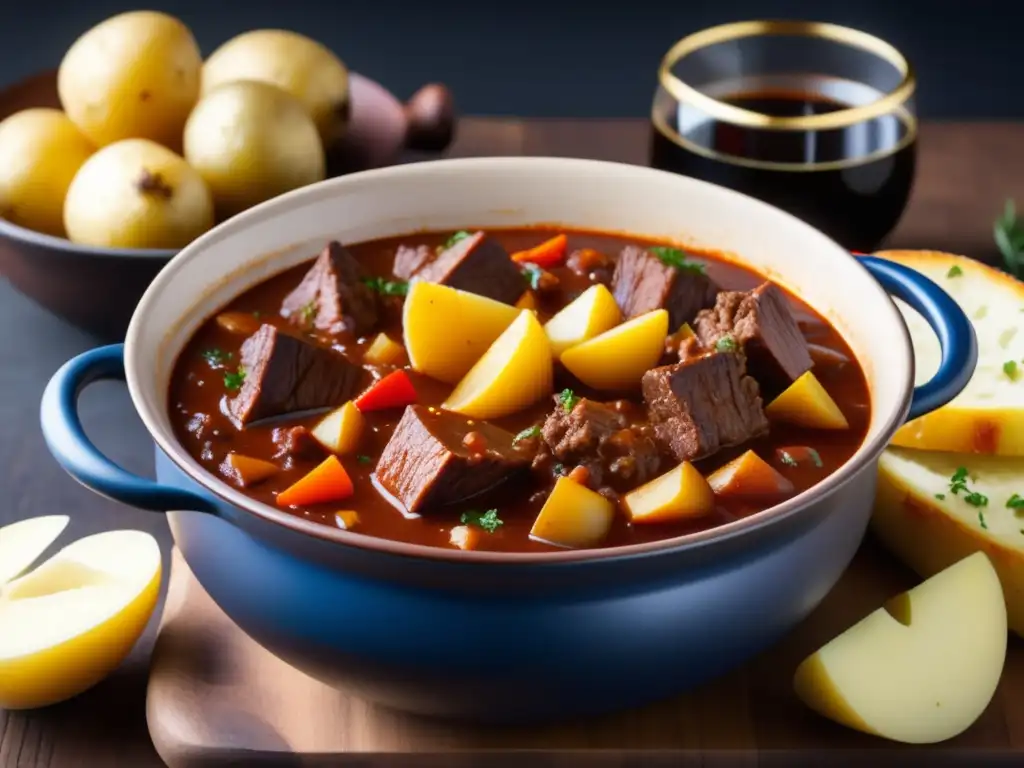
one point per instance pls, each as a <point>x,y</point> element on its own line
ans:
<point>518,390</point>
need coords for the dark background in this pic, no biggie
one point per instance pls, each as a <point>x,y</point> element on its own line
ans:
<point>563,58</point>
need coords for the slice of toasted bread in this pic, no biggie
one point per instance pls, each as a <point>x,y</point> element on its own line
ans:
<point>929,527</point>
<point>988,416</point>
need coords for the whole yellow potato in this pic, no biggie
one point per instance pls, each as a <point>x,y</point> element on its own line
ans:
<point>294,63</point>
<point>251,141</point>
<point>41,150</point>
<point>135,75</point>
<point>137,194</point>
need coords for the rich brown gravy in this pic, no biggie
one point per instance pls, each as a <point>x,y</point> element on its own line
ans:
<point>197,388</point>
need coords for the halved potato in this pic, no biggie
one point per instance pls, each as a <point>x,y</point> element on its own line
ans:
<point>340,430</point>
<point>806,404</point>
<point>679,494</point>
<point>618,359</point>
<point>573,516</point>
<point>515,372</point>
<point>927,526</point>
<point>988,415</point>
<point>592,312</point>
<point>749,475</point>
<point>447,330</point>
<point>922,668</point>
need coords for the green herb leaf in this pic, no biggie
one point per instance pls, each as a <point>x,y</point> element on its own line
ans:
<point>488,521</point>
<point>815,458</point>
<point>308,312</point>
<point>958,481</point>
<point>455,238</point>
<point>976,499</point>
<point>787,458</point>
<point>954,271</point>
<point>558,469</point>
<point>387,287</point>
<point>526,434</point>
<point>674,257</point>
<point>533,275</point>
<point>568,399</point>
<point>981,519</point>
<point>726,344</point>
<point>215,357</point>
<point>1016,501</point>
<point>940,496</point>
<point>363,458</point>
<point>1009,237</point>
<point>234,380</point>
<point>1010,369</point>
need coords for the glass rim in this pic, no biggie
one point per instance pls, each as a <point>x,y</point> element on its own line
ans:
<point>888,103</point>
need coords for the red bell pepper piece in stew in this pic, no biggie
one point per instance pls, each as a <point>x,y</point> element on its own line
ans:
<point>548,254</point>
<point>393,391</point>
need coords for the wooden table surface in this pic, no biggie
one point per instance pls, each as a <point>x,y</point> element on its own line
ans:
<point>966,171</point>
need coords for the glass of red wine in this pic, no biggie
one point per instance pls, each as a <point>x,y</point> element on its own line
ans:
<point>814,118</point>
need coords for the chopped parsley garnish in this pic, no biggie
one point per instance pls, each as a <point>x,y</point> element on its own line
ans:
<point>1010,369</point>
<point>787,458</point>
<point>981,519</point>
<point>976,499</point>
<point>674,257</point>
<point>940,496</point>
<point>216,357</point>
<point>488,521</point>
<point>954,271</point>
<point>454,239</point>
<point>815,458</point>
<point>568,399</point>
<point>363,458</point>
<point>558,469</point>
<point>387,287</point>
<point>526,434</point>
<point>533,275</point>
<point>234,380</point>
<point>958,482</point>
<point>308,312</point>
<point>1016,501</point>
<point>726,344</point>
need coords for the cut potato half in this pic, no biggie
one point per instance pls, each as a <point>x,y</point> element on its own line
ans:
<point>988,416</point>
<point>67,624</point>
<point>921,669</point>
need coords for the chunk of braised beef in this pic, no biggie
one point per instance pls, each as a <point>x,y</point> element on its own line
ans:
<point>591,264</point>
<point>285,374</point>
<point>332,297</point>
<point>436,458</point>
<point>615,449</point>
<point>704,404</point>
<point>296,443</point>
<point>477,264</point>
<point>410,259</point>
<point>642,283</point>
<point>761,322</point>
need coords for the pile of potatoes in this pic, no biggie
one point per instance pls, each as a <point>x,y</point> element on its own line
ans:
<point>154,145</point>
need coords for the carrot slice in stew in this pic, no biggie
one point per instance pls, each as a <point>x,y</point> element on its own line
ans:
<point>327,482</point>
<point>548,254</point>
<point>393,391</point>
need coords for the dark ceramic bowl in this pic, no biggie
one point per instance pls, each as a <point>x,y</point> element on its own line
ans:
<point>492,635</point>
<point>97,289</point>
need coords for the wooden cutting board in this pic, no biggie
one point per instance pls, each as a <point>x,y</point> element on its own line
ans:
<point>217,698</point>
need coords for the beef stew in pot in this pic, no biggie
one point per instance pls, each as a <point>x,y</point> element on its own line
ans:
<point>519,390</point>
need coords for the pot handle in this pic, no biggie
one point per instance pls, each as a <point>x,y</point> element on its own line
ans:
<point>955,332</point>
<point>67,441</point>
